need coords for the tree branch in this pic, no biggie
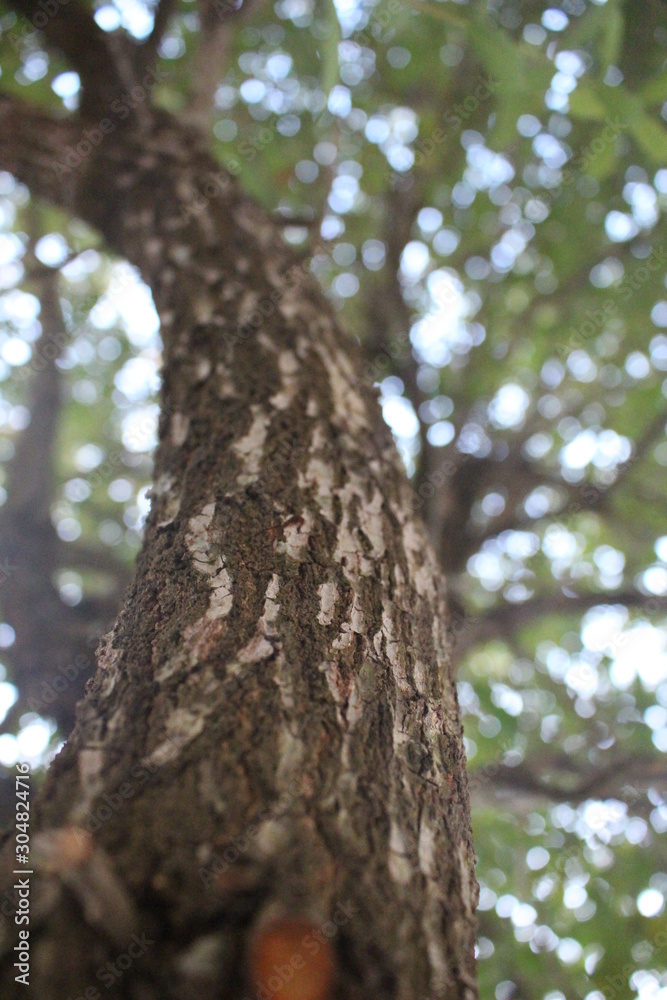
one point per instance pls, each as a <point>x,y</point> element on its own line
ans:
<point>502,622</point>
<point>147,53</point>
<point>618,779</point>
<point>599,498</point>
<point>212,56</point>
<point>50,636</point>
<point>74,33</point>
<point>471,477</point>
<point>31,146</point>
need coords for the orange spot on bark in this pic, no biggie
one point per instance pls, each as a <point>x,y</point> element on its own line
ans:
<point>64,849</point>
<point>291,959</point>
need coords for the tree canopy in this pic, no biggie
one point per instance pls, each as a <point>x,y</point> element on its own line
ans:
<point>478,186</point>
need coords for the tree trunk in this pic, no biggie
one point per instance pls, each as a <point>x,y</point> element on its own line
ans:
<point>267,773</point>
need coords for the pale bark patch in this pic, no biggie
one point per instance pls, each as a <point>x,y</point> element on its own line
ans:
<point>180,424</point>
<point>249,448</point>
<point>399,866</point>
<point>296,533</point>
<point>199,544</point>
<point>328,597</point>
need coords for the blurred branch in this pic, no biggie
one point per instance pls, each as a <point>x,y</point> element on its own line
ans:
<point>74,33</point>
<point>441,13</point>
<point>599,498</point>
<point>472,477</point>
<point>218,19</point>
<point>30,602</point>
<point>147,53</point>
<point>30,143</point>
<point>52,655</point>
<point>35,270</point>
<point>389,318</point>
<point>30,476</point>
<point>620,779</point>
<point>502,622</point>
<point>458,481</point>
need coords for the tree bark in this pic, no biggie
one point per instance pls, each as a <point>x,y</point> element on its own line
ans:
<point>273,730</point>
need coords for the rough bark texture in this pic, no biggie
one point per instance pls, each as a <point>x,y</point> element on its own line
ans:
<point>273,728</point>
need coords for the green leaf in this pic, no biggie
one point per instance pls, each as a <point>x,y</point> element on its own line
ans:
<point>612,39</point>
<point>586,104</point>
<point>441,13</point>
<point>629,108</point>
<point>328,46</point>
<point>654,91</point>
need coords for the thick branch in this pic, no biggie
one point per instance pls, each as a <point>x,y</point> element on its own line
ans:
<point>33,144</point>
<point>147,53</point>
<point>74,33</point>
